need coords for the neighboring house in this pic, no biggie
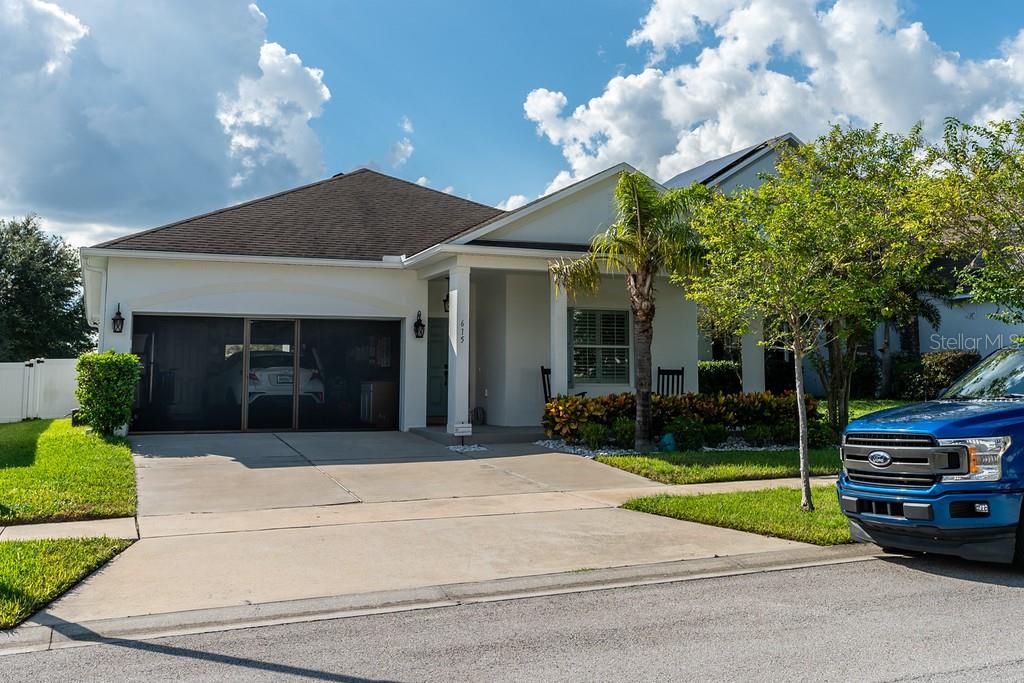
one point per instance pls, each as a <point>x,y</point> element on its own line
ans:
<point>302,310</point>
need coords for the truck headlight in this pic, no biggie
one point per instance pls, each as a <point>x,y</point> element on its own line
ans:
<point>984,458</point>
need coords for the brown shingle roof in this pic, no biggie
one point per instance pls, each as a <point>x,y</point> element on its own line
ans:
<point>361,215</point>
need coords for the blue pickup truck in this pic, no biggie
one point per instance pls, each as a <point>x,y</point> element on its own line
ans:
<point>943,476</point>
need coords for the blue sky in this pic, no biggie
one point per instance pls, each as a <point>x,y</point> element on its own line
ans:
<point>144,113</point>
<point>460,71</point>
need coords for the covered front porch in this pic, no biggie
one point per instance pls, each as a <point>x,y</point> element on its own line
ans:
<point>495,320</point>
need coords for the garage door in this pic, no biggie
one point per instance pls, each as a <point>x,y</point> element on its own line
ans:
<point>216,374</point>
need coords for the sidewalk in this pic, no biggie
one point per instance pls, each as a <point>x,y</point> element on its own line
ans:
<point>329,515</point>
<point>192,572</point>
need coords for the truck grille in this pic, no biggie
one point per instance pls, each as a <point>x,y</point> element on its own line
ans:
<point>903,480</point>
<point>884,439</point>
<point>916,460</point>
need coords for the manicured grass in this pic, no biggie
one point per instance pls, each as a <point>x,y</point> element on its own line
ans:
<point>34,573</point>
<point>771,512</point>
<point>53,472</point>
<point>862,407</point>
<point>699,467</point>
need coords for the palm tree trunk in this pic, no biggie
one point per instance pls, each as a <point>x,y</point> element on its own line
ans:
<point>806,502</point>
<point>643,333</point>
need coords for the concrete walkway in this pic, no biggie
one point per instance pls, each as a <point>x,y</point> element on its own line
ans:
<point>120,527</point>
<point>227,521</point>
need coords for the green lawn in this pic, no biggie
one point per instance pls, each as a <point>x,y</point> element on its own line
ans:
<point>53,472</point>
<point>771,512</point>
<point>34,573</point>
<point>861,407</point>
<point>699,467</point>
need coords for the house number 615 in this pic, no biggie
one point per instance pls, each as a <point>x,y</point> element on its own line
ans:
<point>462,331</point>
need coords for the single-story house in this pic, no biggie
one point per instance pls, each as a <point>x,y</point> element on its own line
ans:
<point>365,301</point>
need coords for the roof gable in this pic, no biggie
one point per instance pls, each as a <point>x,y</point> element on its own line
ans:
<point>363,215</point>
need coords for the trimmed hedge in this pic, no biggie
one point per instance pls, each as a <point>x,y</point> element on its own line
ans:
<point>106,389</point>
<point>719,377</point>
<point>565,416</point>
<point>922,378</point>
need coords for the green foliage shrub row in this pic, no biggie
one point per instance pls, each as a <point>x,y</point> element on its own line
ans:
<point>565,416</point>
<point>106,389</point>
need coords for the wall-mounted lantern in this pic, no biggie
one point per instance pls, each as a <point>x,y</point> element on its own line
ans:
<point>418,328</point>
<point>117,322</point>
<point>447,302</point>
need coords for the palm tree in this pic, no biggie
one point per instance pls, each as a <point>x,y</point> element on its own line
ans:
<point>650,236</point>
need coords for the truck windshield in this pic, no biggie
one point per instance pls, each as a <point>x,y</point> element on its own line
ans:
<point>1000,375</point>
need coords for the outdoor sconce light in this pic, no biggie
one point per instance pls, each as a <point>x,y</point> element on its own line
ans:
<point>418,328</point>
<point>117,322</point>
<point>447,300</point>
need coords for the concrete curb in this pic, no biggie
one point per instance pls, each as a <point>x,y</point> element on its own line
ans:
<point>47,632</point>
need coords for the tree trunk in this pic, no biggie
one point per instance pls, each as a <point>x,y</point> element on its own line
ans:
<point>641,300</point>
<point>885,391</point>
<point>806,502</point>
<point>910,336</point>
<point>643,332</point>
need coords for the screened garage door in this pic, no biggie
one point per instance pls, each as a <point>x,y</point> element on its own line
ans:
<point>217,374</point>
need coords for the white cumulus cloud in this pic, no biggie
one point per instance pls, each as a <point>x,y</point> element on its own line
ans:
<point>400,152</point>
<point>406,125</point>
<point>119,116</point>
<point>512,202</point>
<point>267,118</point>
<point>766,67</point>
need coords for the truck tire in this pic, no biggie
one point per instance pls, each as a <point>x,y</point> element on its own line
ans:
<point>1018,549</point>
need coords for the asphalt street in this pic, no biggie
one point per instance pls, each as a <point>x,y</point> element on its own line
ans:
<point>881,620</point>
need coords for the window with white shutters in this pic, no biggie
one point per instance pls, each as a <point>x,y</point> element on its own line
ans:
<point>599,346</point>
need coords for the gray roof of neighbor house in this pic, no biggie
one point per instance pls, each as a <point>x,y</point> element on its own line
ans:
<point>712,170</point>
<point>362,215</point>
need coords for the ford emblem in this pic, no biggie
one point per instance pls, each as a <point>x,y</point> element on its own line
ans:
<point>879,459</point>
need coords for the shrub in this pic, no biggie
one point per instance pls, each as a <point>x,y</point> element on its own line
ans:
<point>624,432</point>
<point>106,389</point>
<point>714,434</point>
<point>688,434</point>
<point>866,376</point>
<point>922,378</point>
<point>565,415</point>
<point>594,435</point>
<point>786,433</point>
<point>719,377</point>
<point>759,435</point>
<point>820,435</point>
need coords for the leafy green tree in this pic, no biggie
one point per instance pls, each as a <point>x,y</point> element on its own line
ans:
<point>42,312</point>
<point>650,236</point>
<point>875,181</point>
<point>979,194</point>
<point>813,252</point>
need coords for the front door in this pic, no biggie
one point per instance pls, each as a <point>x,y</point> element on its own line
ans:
<point>270,368</point>
<point>437,370</point>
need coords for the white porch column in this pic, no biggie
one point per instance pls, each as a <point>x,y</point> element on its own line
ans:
<point>458,346</point>
<point>752,357</point>
<point>559,340</point>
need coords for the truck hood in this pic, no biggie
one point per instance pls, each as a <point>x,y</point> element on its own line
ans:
<point>946,419</point>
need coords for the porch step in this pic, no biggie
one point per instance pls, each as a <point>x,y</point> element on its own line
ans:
<point>482,435</point>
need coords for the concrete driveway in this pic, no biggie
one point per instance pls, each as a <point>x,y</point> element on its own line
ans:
<point>181,474</point>
<point>243,519</point>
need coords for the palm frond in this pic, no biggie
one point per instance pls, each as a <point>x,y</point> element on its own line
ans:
<point>574,276</point>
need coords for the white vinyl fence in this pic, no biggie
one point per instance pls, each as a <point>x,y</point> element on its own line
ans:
<point>37,388</point>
